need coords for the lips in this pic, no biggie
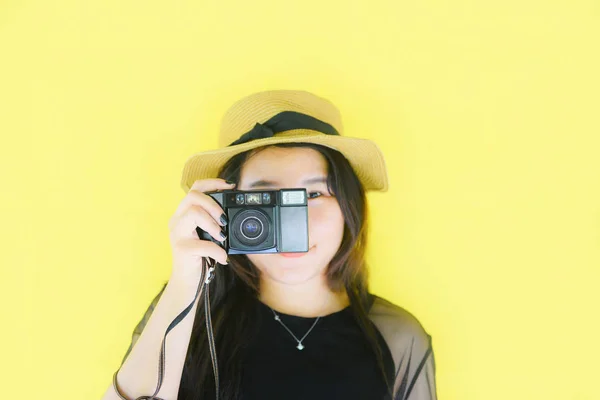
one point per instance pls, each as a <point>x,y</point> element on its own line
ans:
<point>292,255</point>
<point>295,255</point>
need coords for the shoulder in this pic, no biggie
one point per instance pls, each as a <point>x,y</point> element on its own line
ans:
<point>410,347</point>
<point>398,325</point>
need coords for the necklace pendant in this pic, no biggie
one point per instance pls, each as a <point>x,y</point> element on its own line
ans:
<point>299,347</point>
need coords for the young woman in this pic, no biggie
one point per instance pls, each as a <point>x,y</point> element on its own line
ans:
<point>286,325</point>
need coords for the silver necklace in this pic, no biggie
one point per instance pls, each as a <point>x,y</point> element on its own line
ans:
<point>300,345</point>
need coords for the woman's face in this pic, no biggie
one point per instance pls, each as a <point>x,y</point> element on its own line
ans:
<point>275,168</point>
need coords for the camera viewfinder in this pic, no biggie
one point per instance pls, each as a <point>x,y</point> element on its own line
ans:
<point>253,198</point>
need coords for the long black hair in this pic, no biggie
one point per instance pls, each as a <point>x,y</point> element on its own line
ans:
<point>236,286</point>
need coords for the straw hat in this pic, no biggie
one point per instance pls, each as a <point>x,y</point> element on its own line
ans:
<point>284,116</point>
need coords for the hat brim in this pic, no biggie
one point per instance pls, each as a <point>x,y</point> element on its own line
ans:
<point>364,156</point>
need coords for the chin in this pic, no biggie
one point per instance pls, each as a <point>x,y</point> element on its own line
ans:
<point>290,276</point>
<point>290,271</point>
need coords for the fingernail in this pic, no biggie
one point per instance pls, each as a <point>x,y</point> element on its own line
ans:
<point>230,183</point>
<point>223,219</point>
<point>223,235</point>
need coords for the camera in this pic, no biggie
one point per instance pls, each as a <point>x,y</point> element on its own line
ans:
<point>263,221</point>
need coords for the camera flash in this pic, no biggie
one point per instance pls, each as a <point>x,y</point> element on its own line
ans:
<point>293,197</point>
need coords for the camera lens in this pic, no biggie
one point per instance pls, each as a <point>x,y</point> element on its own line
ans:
<point>251,227</point>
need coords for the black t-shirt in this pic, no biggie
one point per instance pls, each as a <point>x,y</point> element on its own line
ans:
<point>336,362</point>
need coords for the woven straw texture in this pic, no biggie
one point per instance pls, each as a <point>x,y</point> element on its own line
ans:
<point>364,155</point>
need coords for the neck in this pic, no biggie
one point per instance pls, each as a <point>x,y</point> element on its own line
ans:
<point>310,299</point>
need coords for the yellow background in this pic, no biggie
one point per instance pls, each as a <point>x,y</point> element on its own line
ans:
<point>487,113</point>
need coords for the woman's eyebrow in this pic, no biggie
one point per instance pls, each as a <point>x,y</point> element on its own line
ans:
<point>266,183</point>
<point>318,179</point>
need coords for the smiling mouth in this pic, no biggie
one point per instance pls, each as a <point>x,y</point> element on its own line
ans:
<point>295,255</point>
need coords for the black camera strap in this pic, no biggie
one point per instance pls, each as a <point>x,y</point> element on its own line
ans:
<point>205,279</point>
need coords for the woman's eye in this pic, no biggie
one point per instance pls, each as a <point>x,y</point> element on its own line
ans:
<point>312,195</point>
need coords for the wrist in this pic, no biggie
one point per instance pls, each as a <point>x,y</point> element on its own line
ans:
<point>182,289</point>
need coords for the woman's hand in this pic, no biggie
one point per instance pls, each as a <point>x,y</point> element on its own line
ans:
<point>197,209</point>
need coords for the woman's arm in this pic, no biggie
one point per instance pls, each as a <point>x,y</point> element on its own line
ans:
<point>138,375</point>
